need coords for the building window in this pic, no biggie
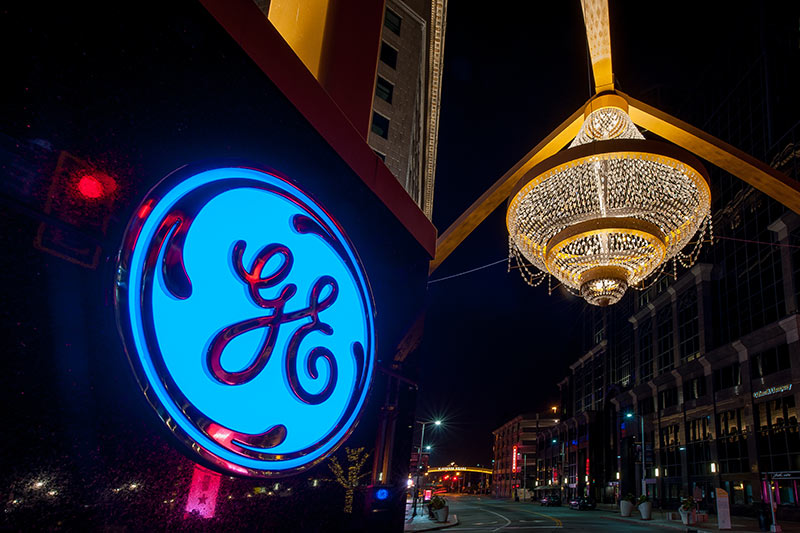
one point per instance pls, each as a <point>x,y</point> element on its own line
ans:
<point>664,339</point>
<point>623,347</point>
<point>384,90</point>
<point>729,376</point>
<point>646,350</point>
<point>392,21</point>
<point>670,460</point>
<point>382,156</point>
<point>670,435</point>
<point>694,388</point>
<point>732,442</point>
<point>380,125</point>
<point>730,422</point>
<point>647,406</point>
<point>778,438</point>
<point>388,55</point>
<point>698,429</point>
<point>770,361</point>
<point>688,325</point>
<point>668,398</point>
<point>698,458</point>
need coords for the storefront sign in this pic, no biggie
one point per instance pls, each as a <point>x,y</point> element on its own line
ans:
<point>514,459</point>
<point>723,510</point>
<point>772,390</point>
<point>247,318</point>
<point>784,475</point>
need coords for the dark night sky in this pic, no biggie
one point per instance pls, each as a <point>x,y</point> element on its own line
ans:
<point>494,347</point>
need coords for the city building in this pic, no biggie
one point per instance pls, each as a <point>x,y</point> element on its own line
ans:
<point>404,127</point>
<point>515,449</point>
<point>691,384</point>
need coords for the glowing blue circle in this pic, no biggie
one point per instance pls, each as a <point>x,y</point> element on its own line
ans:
<point>381,494</point>
<point>248,319</point>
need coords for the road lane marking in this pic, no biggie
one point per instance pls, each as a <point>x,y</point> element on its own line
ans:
<point>556,520</point>
<point>508,522</point>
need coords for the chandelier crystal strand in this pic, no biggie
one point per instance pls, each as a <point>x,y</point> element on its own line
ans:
<point>610,210</point>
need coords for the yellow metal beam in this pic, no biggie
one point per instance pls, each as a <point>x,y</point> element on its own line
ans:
<point>302,24</point>
<point>766,179</point>
<point>595,18</point>
<point>499,192</point>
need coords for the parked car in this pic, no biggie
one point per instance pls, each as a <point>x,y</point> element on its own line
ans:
<point>582,503</point>
<point>550,501</point>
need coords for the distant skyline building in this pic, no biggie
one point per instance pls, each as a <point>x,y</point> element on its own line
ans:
<point>515,448</point>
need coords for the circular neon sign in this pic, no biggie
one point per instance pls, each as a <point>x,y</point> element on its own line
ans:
<point>247,318</point>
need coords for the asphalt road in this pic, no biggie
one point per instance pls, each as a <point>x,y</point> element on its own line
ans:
<point>484,514</point>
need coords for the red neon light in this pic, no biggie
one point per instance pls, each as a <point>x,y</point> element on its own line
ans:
<point>145,209</point>
<point>587,466</point>
<point>514,460</point>
<point>203,492</point>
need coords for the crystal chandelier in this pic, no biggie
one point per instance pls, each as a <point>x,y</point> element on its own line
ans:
<point>609,211</point>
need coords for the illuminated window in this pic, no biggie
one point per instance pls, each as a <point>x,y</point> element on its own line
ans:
<point>380,125</point>
<point>670,435</point>
<point>384,90</point>
<point>388,55</point>
<point>778,438</point>
<point>698,429</point>
<point>392,21</point>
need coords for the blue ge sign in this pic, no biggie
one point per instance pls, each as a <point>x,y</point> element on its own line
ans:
<point>247,318</point>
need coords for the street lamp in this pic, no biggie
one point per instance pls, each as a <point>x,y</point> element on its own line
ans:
<point>419,460</point>
<point>644,470</point>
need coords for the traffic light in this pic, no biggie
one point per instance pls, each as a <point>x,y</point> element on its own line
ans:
<point>80,201</point>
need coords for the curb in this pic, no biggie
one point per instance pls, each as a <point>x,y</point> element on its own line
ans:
<point>680,527</point>
<point>436,527</point>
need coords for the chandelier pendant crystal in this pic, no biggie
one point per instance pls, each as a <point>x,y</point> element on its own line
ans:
<point>609,211</point>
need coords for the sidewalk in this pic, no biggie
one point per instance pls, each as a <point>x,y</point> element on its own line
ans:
<point>740,524</point>
<point>421,522</point>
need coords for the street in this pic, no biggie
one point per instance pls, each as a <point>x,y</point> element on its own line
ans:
<point>481,513</point>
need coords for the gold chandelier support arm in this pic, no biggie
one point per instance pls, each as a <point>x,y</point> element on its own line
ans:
<point>747,168</point>
<point>500,191</point>
<point>598,34</point>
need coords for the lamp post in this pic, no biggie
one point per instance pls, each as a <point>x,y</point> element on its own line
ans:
<point>419,458</point>
<point>644,455</point>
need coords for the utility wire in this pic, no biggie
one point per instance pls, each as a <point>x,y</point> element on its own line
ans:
<point>503,260</point>
<point>777,244</point>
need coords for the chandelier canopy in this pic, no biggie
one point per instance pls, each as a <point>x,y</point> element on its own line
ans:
<point>609,211</point>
